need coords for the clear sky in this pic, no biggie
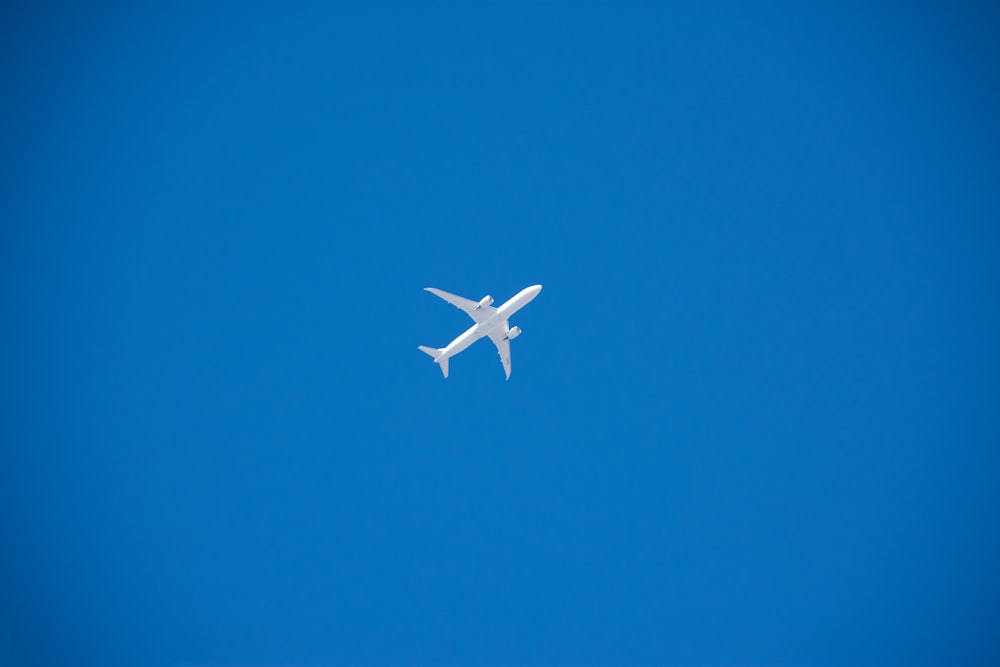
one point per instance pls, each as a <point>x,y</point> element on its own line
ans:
<point>754,416</point>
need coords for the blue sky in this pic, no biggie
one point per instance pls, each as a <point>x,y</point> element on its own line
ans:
<point>752,417</point>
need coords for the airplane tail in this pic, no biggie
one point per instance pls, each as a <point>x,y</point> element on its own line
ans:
<point>436,353</point>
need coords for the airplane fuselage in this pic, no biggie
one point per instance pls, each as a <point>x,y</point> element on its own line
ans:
<point>495,321</point>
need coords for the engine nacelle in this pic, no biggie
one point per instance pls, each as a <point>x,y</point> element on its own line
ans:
<point>513,333</point>
<point>485,301</point>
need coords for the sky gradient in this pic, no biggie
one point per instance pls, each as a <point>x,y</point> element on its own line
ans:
<point>753,416</point>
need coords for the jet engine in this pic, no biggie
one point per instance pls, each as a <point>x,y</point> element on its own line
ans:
<point>513,333</point>
<point>485,301</point>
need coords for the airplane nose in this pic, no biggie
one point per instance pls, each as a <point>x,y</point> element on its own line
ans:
<point>535,289</point>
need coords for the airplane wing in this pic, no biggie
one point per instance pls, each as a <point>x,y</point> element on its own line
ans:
<point>472,308</point>
<point>503,347</point>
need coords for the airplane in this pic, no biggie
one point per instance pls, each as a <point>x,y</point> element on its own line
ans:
<point>489,321</point>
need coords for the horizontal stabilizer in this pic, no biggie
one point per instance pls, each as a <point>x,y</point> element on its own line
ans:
<point>438,359</point>
<point>433,351</point>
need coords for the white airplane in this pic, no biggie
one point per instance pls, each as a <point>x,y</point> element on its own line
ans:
<point>489,321</point>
